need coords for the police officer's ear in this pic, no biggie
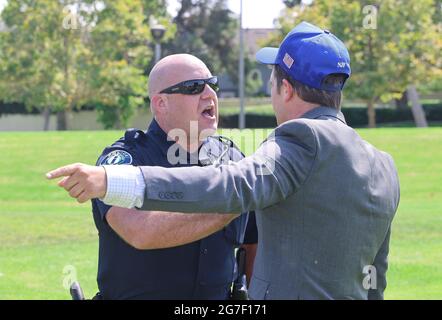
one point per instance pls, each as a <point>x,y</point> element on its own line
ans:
<point>287,90</point>
<point>158,103</point>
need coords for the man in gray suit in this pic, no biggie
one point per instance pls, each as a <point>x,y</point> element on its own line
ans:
<point>324,198</point>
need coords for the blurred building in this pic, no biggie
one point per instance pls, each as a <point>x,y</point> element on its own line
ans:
<point>254,39</point>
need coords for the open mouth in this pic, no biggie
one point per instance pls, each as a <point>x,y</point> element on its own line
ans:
<point>209,112</point>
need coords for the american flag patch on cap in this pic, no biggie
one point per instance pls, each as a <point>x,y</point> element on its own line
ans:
<point>288,61</point>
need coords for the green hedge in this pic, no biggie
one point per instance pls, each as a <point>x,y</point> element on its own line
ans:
<point>355,117</point>
<point>16,108</point>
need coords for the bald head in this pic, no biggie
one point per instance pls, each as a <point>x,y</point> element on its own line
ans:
<point>182,111</point>
<point>174,69</point>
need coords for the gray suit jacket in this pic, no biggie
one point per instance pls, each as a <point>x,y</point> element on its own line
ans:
<point>324,201</point>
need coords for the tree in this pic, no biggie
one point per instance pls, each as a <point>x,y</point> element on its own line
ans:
<point>65,54</point>
<point>118,42</point>
<point>37,63</point>
<point>392,43</point>
<point>291,3</point>
<point>156,8</point>
<point>207,29</point>
<point>253,78</point>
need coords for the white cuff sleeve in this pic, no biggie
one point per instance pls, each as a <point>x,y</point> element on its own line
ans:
<point>125,186</point>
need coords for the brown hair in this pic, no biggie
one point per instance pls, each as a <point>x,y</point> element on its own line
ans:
<point>324,98</point>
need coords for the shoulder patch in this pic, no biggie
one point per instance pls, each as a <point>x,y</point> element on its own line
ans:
<point>117,157</point>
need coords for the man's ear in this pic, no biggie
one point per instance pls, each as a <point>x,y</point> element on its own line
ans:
<point>287,90</point>
<point>158,103</point>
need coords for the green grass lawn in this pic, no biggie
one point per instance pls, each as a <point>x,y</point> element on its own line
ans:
<point>46,238</point>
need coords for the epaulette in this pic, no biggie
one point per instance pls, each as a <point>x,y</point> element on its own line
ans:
<point>132,134</point>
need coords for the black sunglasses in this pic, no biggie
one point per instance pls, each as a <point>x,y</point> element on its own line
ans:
<point>195,86</point>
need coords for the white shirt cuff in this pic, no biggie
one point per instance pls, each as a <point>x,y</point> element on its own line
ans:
<point>125,186</point>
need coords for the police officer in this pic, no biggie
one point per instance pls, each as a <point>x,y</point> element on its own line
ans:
<point>141,254</point>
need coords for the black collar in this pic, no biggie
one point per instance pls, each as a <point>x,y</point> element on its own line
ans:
<point>161,139</point>
<point>159,136</point>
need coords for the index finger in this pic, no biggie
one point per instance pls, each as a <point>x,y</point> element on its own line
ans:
<point>62,171</point>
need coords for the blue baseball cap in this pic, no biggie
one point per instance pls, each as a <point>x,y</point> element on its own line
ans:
<point>309,54</point>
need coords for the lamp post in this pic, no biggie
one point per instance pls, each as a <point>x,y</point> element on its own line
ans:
<point>242,116</point>
<point>157,32</point>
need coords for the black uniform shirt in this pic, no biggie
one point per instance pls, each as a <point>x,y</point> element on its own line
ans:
<point>203,269</point>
